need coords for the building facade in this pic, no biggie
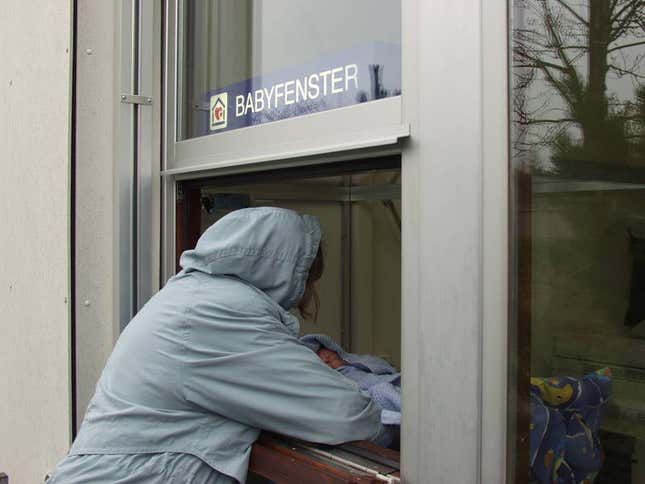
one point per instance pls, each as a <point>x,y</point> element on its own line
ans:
<point>477,168</point>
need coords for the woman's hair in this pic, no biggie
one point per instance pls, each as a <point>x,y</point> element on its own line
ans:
<point>310,296</point>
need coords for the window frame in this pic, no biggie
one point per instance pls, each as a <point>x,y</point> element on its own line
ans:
<point>325,132</point>
<point>455,171</point>
<point>455,266</point>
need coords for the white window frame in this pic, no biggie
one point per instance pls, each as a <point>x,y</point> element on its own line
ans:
<point>455,241</point>
<point>374,123</point>
<point>455,230</point>
<point>137,148</point>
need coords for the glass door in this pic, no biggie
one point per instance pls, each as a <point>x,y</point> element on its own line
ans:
<point>577,409</point>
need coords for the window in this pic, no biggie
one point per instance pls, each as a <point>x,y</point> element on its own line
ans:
<point>359,207</point>
<point>578,152</point>
<point>251,62</point>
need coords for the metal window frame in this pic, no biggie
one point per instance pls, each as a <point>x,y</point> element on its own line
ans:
<point>124,168</point>
<point>319,133</point>
<point>455,248</point>
<point>455,241</point>
<point>137,167</point>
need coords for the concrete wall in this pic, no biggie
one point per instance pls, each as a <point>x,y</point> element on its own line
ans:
<point>96,105</point>
<point>35,100</point>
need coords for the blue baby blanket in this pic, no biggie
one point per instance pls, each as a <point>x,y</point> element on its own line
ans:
<point>374,376</point>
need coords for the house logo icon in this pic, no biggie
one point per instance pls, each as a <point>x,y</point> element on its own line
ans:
<point>219,111</point>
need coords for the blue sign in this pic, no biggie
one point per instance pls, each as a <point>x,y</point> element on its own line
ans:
<point>354,76</point>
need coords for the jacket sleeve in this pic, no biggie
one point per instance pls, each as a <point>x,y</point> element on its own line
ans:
<point>277,384</point>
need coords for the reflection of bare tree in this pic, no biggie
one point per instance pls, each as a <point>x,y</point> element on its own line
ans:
<point>564,52</point>
<point>377,88</point>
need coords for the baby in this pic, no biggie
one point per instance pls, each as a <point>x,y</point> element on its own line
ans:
<point>331,358</point>
<point>374,376</point>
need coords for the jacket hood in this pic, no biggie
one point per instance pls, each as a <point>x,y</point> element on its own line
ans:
<point>269,248</point>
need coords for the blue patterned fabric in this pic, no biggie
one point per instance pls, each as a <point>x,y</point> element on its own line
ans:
<point>547,436</point>
<point>566,414</point>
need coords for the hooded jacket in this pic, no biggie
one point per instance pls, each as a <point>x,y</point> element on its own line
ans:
<point>214,356</point>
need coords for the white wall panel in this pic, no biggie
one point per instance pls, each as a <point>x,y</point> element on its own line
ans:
<point>96,105</point>
<point>35,99</point>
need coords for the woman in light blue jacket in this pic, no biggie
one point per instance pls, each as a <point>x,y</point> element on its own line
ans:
<point>213,358</point>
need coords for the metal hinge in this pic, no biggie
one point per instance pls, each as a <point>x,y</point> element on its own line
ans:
<point>135,99</point>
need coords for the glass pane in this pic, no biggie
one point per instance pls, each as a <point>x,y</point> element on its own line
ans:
<point>577,405</point>
<point>360,214</point>
<point>248,62</point>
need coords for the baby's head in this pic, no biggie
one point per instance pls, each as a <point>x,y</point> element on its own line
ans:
<point>330,358</point>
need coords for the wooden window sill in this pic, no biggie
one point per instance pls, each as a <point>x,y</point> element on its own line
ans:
<point>285,460</point>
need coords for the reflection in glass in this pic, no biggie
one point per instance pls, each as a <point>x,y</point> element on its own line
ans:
<point>276,59</point>
<point>577,406</point>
